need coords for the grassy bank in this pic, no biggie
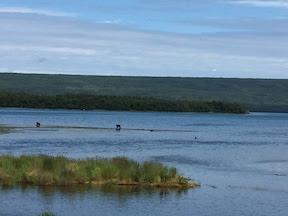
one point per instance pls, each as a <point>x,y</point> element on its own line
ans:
<point>47,170</point>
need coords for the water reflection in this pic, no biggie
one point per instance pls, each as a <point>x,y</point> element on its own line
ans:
<point>105,190</point>
<point>114,190</point>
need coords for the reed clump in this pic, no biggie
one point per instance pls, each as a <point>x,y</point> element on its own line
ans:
<point>46,170</point>
<point>4,130</point>
<point>46,214</point>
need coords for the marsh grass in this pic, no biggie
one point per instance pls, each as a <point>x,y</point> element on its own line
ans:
<point>3,130</point>
<point>46,214</point>
<point>46,170</point>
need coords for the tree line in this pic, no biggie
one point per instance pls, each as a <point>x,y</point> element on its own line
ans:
<point>125,103</point>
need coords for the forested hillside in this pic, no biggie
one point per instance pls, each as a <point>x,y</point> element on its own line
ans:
<point>255,94</point>
<point>94,102</point>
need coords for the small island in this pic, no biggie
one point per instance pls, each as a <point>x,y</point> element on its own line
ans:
<point>44,170</point>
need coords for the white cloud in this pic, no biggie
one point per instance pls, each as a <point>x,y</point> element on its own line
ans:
<point>25,10</point>
<point>109,21</point>
<point>65,50</point>
<point>257,3</point>
<point>280,4</point>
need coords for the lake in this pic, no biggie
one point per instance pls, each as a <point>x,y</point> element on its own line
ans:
<point>241,161</point>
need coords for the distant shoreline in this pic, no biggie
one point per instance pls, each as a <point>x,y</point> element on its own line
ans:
<point>144,111</point>
<point>120,103</point>
<point>101,110</point>
<point>257,95</point>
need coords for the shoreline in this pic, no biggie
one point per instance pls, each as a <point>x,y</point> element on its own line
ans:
<point>133,111</point>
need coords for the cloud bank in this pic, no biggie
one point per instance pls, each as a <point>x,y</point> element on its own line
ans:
<point>25,10</point>
<point>280,4</point>
<point>44,41</point>
<point>256,3</point>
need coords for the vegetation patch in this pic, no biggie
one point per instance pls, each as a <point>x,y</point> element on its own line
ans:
<point>252,93</point>
<point>46,214</point>
<point>46,170</point>
<point>127,103</point>
<point>4,130</point>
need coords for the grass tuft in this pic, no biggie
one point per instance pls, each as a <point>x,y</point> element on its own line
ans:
<point>46,214</point>
<point>46,170</point>
<point>4,130</point>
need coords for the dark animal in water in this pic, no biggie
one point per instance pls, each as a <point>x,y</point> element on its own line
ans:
<point>118,127</point>
<point>38,124</point>
<point>212,186</point>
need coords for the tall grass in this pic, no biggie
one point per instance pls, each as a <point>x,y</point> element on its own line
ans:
<point>3,130</point>
<point>48,170</point>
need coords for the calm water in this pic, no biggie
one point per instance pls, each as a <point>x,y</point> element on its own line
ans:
<point>244,158</point>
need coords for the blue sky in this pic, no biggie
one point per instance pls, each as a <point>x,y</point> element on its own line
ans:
<point>183,38</point>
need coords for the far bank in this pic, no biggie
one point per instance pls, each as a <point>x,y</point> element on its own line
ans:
<point>120,103</point>
<point>257,95</point>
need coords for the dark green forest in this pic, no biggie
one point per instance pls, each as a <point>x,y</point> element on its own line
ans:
<point>255,94</point>
<point>94,102</point>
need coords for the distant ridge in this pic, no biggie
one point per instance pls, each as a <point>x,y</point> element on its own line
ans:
<point>256,94</point>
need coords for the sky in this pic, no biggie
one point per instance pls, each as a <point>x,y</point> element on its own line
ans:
<point>179,38</point>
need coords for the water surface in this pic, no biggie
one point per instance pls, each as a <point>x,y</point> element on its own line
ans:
<point>241,161</point>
